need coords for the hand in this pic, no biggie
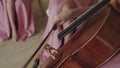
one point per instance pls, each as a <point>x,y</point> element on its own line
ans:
<point>63,16</point>
<point>68,14</point>
<point>69,11</point>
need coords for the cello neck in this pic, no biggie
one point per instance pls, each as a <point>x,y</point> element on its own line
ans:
<point>82,18</point>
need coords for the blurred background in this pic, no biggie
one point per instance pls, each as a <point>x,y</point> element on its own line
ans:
<point>16,54</point>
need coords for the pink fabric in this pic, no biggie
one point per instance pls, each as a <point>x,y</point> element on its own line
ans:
<point>53,9</point>
<point>4,22</point>
<point>25,19</point>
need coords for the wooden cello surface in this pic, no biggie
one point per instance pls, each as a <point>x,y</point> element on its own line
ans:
<point>94,45</point>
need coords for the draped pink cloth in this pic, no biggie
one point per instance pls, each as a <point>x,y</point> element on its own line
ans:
<point>24,16</point>
<point>4,22</point>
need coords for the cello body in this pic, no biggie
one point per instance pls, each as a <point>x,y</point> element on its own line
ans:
<point>91,46</point>
<point>94,45</point>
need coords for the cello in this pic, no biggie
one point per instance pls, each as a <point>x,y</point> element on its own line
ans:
<point>95,44</point>
<point>92,46</point>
